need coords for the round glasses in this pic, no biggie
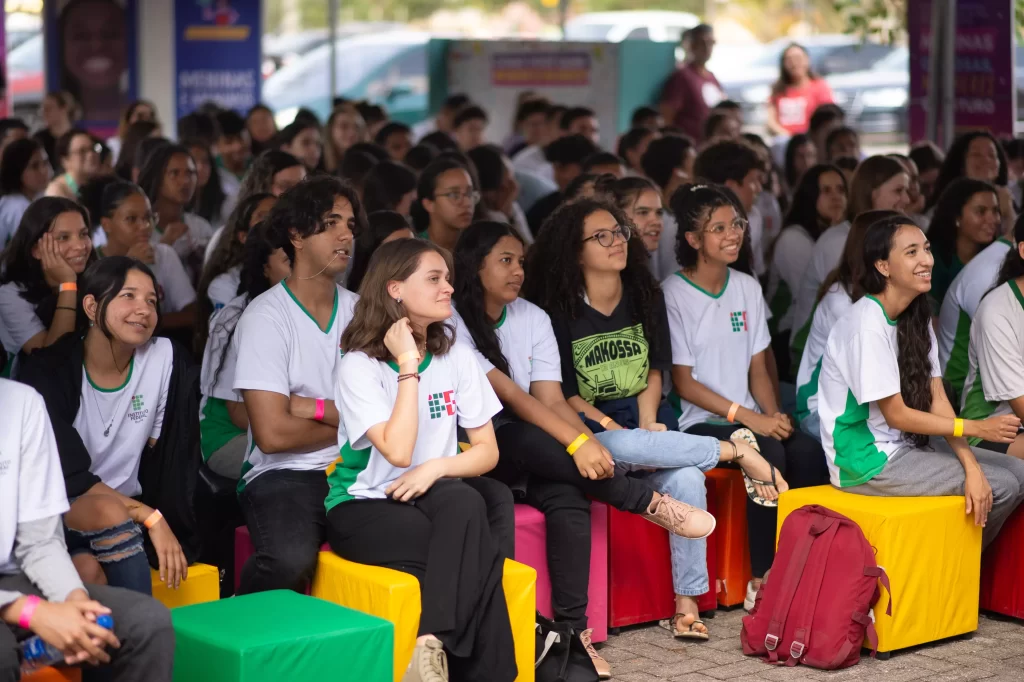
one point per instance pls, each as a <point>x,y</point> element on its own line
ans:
<point>607,237</point>
<point>739,225</point>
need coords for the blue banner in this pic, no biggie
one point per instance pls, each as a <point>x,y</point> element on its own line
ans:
<point>90,53</point>
<point>217,54</point>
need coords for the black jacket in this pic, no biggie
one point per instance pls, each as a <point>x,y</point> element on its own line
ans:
<point>168,469</point>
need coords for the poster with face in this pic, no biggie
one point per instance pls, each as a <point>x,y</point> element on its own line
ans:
<point>90,53</point>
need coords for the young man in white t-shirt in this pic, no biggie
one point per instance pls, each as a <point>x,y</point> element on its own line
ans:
<point>40,591</point>
<point>288,343</point>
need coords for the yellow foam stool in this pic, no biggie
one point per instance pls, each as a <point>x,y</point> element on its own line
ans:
<point>395,596</point>
<point>202,585</point>
<point>931,551</point>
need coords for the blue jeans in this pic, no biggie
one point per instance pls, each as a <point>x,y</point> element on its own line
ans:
<point>679,461</point>
<point>811,425</point>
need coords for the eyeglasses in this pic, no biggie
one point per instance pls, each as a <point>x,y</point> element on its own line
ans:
<point>455,196</point>
<point>739,225</point>
<point>607,237</point>
<point>85,151</point>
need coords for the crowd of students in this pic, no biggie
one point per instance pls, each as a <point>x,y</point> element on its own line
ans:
<point>389,335</point>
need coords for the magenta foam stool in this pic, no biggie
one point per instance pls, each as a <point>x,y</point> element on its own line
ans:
<point>531,549</point>
<point>244,549</point>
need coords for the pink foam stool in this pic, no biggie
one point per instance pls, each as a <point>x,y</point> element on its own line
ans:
<point>245,549</point>
<point>531,549</point>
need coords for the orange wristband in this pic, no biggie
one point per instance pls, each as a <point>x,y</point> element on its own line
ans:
<point>153,519</point>
<point>605,422</point>
<point>69,286</point>
<point>732,412</point>
<point>408,355</point>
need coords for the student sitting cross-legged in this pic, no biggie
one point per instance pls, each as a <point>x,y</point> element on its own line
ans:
<point>881,399</point>
<point>398,494</point>
<point>40,591</point>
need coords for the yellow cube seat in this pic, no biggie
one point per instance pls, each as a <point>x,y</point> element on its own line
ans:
<point>201,585</point>
<point>395,596</point>
<point>931,551</point>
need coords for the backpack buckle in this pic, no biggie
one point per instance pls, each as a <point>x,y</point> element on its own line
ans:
<point>770,642</point>
<point>796,650</point>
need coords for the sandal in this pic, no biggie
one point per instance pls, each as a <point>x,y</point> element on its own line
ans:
<point>747,437</point>
<point>687,630</point>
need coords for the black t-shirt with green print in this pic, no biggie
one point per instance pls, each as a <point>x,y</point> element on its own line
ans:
<point>606,357</point>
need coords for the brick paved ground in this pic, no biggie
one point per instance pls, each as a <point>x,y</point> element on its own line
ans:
<point>649,653</point>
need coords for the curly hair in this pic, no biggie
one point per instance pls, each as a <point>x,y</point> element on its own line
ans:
<point>851,267</point>
<point>474,244</point>
<point>376,310</point>
<point>228,253</point>
<point>693,205</point>
<point>913,328</point>
<point>955,164</point>
<point>948,210</point>
<point>301,210</point>
<point>555,276</point>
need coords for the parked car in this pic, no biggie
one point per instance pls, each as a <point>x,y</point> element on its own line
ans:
<point>750,84</point>
<point>875,100</point>
<point>614,27</point>
<point>281,49</point>
<point>385,68</point>
<point>26,83</point>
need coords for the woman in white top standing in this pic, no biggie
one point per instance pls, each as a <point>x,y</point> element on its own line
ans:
<point>720,343</point>
<point>881,400</point>
<point>24,174</point>
<point>819,202</point>
<point>880,183</point>
<point>169,179</point>
<point>395,500</point>
<point>838,293</point>
<point>39,275</point>
<point>995,377</point>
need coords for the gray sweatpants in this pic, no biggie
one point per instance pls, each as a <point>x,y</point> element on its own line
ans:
<point>141,623</point>
<point>935,471</point>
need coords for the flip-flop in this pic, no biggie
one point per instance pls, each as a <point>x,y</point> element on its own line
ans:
<point>689,632</point>
<point>747,436</point>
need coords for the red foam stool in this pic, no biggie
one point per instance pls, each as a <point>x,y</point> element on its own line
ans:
<point>1002,570</point>
<point>245,549</point>
<point>732,546</point>
<point>531,549</point>
<point>640,569</point>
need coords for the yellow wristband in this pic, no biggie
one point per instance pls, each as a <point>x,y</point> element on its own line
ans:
<point>958,428</point>
<point>408,355</point>
<point>605,422</point>
<point>577,444</point>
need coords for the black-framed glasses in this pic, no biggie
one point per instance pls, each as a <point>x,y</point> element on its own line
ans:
<point>607,237</point>
<point>85,151</point>
<point>737,225</point>
<point>455,196</point>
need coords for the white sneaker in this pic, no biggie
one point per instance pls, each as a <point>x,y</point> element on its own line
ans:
<point>748,602</point>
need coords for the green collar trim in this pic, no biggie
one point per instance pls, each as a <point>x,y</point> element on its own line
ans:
<point>891,322</point>
<point>702,289</point>
<point>131,367</point>
<point>334,312</point>
<point>1016,292</point>
<point>424,363</point>
<point>501,320</point>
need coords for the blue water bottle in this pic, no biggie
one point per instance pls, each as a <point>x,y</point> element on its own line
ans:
<point>36,654</point>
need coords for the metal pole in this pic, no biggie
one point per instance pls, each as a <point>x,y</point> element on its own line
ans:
<point>948,77</point>
<point>936,66</point>
<point>332,34</point>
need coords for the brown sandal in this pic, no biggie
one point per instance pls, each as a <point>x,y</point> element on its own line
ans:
<point>687,631</point>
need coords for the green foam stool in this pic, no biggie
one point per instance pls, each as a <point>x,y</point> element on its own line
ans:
<point>280,635</point>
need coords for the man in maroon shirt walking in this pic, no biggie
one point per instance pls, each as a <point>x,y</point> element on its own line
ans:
<point>692,90</point>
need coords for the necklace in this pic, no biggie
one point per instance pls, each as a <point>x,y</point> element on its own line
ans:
<point>114,412</point>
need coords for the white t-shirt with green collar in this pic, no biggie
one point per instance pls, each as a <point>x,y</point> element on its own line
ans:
<point>996,355</point>
<point>115,424</point>
<point>453,391</point>
<point>833,306</point>
<point>716,335</point>
<point>858,369</point>
<point>280,348</point>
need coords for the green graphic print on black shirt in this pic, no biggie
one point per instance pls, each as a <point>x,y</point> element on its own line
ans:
<point>606,357</point>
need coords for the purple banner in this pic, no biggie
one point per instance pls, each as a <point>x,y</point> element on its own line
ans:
<point>985,92</point>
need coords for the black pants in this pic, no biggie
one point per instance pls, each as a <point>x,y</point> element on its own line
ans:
<point>141,623</point>
<point>800,460</point>
<point>444,539</point>
<point>284,511</point>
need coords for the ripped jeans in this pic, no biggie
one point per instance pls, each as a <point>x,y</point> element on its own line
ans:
<point>119,550</point>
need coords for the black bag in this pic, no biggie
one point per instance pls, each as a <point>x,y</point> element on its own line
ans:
<point>560,654</point>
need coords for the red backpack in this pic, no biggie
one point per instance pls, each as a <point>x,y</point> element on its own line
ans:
<point>824,581</point>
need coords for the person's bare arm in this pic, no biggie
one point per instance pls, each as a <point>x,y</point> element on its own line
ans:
<point>939,422</point>
<point>772,122</point>
<point>306,408</point>
<point>590,412</point>
<point>531,410</point>
<point>649,399</point>
<point>275,429</point>
<point>237,414</point>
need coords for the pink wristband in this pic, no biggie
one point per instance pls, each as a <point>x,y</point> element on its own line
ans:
<point>319,414</point>
<point>25,617</point>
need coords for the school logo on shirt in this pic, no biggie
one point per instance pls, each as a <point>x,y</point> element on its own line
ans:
<point>441,404</point>
<point>139,411</point>
<point>738,320</point>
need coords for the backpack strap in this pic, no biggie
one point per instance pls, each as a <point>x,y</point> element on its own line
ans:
<point>790,582</point>
<point>804,612</point>
<point>869,630</point>
<point>879,573</point>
